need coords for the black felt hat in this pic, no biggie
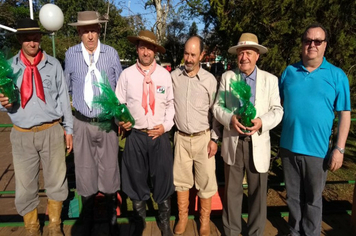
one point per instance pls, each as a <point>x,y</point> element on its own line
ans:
<point>27,26</point>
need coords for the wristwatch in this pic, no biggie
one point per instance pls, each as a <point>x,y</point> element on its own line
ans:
<point>341,150</point>
<point>215,140</point>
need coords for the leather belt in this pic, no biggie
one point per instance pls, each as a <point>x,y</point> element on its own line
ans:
<point>143,130</point>
<point>84,118</point>
<point>245,138</point>
<point>37,128</point>
<point>193,134</point>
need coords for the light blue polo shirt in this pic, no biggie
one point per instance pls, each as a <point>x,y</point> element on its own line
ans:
<point>309,101</point>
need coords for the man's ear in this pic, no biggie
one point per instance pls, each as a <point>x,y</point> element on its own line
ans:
<point>202,55</point>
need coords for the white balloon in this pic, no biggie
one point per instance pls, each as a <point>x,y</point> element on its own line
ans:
<point>51,17</point>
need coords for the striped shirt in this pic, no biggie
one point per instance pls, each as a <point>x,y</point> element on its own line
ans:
<point>76,70</point>
<point>193,100</point>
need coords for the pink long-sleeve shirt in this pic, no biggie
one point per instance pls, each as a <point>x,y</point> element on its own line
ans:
<point>129,90</point>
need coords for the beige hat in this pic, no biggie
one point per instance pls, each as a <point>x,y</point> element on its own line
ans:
<point>248,40</point>
<point>148,37</point>
<point>88,18</point>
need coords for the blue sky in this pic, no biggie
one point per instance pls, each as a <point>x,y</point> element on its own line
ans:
<point>133,7</point>
<point>130,7</point>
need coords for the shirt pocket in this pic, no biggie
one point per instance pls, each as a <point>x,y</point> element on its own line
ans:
<point>200,100</point>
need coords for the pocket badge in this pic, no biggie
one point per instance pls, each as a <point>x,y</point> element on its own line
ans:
<point>160,89</point>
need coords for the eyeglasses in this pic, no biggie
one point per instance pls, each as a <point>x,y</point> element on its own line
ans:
<point>317,42</point>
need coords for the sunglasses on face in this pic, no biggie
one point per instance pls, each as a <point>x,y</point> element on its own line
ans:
<point>317,42</point>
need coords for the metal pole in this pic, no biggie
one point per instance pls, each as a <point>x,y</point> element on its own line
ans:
<point>53,45</point>
<point>106,23</point>
<point>7,28</point>
<point>31,8</point>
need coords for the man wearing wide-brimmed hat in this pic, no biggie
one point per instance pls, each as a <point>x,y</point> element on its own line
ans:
<point>95,150</point>
<point>247,148</point>
<point>37,135</point>
<point>146,88</point>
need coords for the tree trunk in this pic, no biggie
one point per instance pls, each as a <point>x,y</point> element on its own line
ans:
<point>161,23</point>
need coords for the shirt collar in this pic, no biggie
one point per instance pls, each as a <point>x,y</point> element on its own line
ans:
<point>144,70</point>
<point>324,65</point>
<point>198,75</point>
<point>46,59</point>
<point>252,76</point>
<point>102,47</point>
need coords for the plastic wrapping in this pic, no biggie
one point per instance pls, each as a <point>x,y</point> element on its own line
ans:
<point>246,110</point>
<point>8,80</point>
<point>110,105</point>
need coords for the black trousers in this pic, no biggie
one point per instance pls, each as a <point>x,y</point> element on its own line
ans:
<point>147,161</point>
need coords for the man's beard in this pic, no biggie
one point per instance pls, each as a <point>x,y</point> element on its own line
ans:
<point>188,67</point>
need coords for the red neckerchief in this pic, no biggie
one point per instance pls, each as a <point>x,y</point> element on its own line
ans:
<point>27,86</point>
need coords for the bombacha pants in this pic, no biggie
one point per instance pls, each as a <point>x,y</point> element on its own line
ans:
<point>146,160</point>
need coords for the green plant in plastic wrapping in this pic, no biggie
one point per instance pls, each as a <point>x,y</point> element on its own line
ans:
<point>110,105</point>
<point>8,80</point>
<point>242,91</point>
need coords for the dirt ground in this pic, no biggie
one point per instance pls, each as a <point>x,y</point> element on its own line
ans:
<point>338,193</point>
<point>337,188</point>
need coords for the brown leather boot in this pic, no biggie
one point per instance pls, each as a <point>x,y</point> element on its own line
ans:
<point>205,209</point>
<point>183,204</point>
<point>54,215</point>
<point>32,223</point>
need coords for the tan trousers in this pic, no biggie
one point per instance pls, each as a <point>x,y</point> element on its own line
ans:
<point>29,149</point>
<point>192,165</point>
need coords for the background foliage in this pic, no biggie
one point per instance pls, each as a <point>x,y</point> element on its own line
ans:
<point>278,25</point>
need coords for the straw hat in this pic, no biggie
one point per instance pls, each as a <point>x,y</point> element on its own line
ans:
<point>88,18</point>
<point>248,40</point>
<point>148,37</point>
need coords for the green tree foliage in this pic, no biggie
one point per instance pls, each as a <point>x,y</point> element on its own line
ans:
<point>193,30</point>
<point>10,11</point>
<point>117,29</point>
<point>176,36</point>
<point>279,25</point>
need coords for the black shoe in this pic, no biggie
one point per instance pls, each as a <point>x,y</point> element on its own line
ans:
<point>164,214</point>
<point>111,205</point>
<point>86,216</point>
